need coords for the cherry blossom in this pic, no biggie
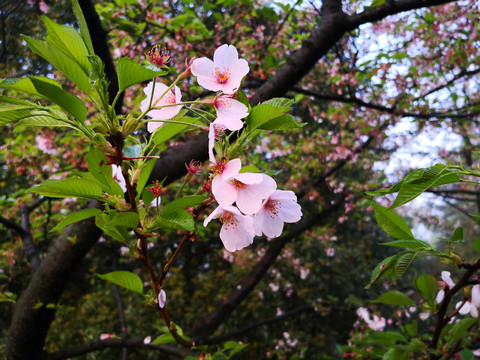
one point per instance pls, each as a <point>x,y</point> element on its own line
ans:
<point>447,280</point>
<point>471,306</point>
<point>237,230</point>
<point>173,96</point>
<point>224,73</point>
<point>118,177</point>
<point>248,190</point>
<point>230,112</point>
<point>215,132</point>
<point>281,207</point>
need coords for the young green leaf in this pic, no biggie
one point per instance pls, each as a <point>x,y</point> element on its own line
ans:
<point>457,235</point>
<point>65,100</point>
<point>61,61</point>
<point>267,111</point>
<point>96,162</point>
<point>144,176</point>
<point>394,297</point>
<point>131,73</point>
<point>82,24</point>
<point>281,123</point>
<point>79,188</point>
<point>476,246</point>
<point>409,244</point>
<point>402,263</point>
<point>75,217</point>
<point>461,327</point>
<point>184,202</point>
<point>126,279</point>
<point>126,220</point>
<point>168,130</point>
<point>426,286</point>
<point>391,223</point>
<point>175,219</point>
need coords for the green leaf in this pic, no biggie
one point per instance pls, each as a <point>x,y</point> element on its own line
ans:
<point>184,202</point>
<point>65,100</point>
<point>164,339</point>
<point>168,130</point>
<point>267,111</point>
<point>383,269</point>
<point>394,297</point>
<point>412,329</point>
<point>131,73</point>
<point>476,246</point>
<point>460,328</point>
<point>79,188</point>
<point>144,176</point>
<point>426,286</point>
<point>12,113</point>
<point>82,24</point>
<point>409,244</point>
<point>126,220</point>
<point>283,122</point>
<point>124,279</point>
<point>391,223</point>
<point>75,217</point>
<point>68,40</point>
<point>457,235</point>
<point>175,219</point>
<point>61,61</point>
<point>26,84</point>
<point>41,118</point>
<point>11,100</point>
<point>96,162</point>
<point>402,263</point>
<point>433,176</point>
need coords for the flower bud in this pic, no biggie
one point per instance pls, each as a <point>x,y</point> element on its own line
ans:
<point>130,125</point>
<point>103,145</point>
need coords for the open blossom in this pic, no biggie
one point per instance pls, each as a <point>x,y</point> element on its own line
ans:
<point>471,306</point>
<point>118,177</point>
<point>237,230</point>
<point>281,207</point>
<point>248,190</point>
<point>172,96</point>
<point>224,73</point>
<point>447,280</point>
<point>230,112</point>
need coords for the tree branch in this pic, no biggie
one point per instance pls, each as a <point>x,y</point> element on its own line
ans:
<point>116,343</point>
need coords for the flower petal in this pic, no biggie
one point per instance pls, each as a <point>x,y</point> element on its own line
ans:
<point>225,56</point>
<point>232,168</point>
<point>224,191</point>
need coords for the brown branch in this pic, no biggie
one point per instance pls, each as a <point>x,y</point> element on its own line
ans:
<point>256,324</point>
<point>442,320</point>
<point>203,328</point>
<point>115,343</point>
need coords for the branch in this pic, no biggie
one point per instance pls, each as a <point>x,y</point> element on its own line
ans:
<point>115,343</point>
<point>259,323</point>
<point>205,327</point>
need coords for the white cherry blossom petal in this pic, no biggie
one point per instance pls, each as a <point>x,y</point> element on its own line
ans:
<point>224,191</point>
<point>476,296</point>
<point>231,168</point>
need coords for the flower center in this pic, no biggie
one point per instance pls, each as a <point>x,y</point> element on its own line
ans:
<point>158,56</point>
<point>272,207</point>
<point>219,167</point>
<point>239,185</point>
<point>222,76</point>
<point>228,220</point>
<point>223,102</point>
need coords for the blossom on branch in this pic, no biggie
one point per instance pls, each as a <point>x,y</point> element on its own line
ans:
<point>230,112</point>
<point>281,207</point>
<point>237,230</point>
<point>169,98</point>
<point>224,73</point>
<point>248,190</point>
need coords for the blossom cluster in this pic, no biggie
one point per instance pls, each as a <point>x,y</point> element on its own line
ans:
<point>464,307</point>
<point>260,207</point>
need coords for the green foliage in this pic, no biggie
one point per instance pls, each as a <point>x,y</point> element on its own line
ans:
<point>394,297</point>
<point>124,279</point>
<point>75,217</point>
<point>131,73</point>
<point>72,187</point>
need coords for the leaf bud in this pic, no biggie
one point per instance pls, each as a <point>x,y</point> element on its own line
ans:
<point>103,145</point>
<point>169,255</point>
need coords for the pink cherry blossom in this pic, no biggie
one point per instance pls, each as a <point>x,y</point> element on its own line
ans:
<point>215,132</point>
<point>248,190</point>
<point>447,281</point>
<point>230,112</point>
<point>224,73</point>
<point>237,230</point>
<point>173,96</point>
<point>466,308</point>
<point>281,207</point>
<point>118,177</point>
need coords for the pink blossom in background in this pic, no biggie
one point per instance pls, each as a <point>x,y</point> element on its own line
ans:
<point>106,336</point>
<point>173,96</point>
<point>248,190</point>
<point>281,207</point>
<point>376,324</point>
<point>224,73</point>
<point>237,230</point>
<point>46,145</point>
